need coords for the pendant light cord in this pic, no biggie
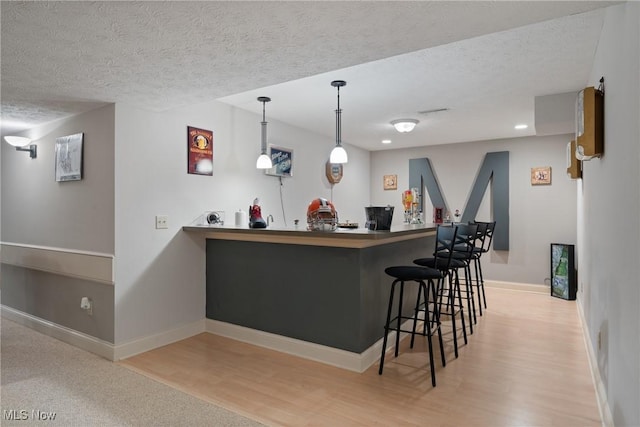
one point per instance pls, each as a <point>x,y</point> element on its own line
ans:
<point>284,218</point>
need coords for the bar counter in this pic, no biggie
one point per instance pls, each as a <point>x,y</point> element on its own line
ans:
<point>299,235</point>
<point>327,288</point>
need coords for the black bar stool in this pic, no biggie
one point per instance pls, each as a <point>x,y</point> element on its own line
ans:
<point>481,234</point>
<point>426,294</point>
<point>443,261</point>
<point>489,228</point>
<point>463,251</point>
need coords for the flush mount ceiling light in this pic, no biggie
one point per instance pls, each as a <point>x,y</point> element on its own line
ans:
<point>404,125</point>
<point>521,126</point>
<point>338,154</point>
<point>264,162</point>
<point>386,141</point>
<point>19,142</point>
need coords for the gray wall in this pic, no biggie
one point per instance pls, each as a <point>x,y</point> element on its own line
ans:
<point>79,215</point>
<point>609,218</point>
<point>56,298</point>
<point>539,215</point>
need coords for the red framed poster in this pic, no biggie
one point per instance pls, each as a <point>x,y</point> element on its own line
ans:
<point>199,151</point>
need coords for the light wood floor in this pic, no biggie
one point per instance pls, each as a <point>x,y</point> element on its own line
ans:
<point>525,365</point>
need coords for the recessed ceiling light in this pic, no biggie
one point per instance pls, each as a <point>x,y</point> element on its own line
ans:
<point>521,126</point>
<point>386,141</point>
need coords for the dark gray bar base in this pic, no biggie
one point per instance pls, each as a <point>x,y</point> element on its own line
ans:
<point>331,296</point>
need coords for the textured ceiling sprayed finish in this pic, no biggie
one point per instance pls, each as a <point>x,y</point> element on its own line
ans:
<point>62,58</point>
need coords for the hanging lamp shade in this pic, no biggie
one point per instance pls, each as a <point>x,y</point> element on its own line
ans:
<point>338,155</point>
<point>264,161</point>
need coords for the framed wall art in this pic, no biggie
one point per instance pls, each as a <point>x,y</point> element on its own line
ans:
<point>390,182</point>
<point>282,160</point>
<point>199,151</point>
<point>541,175</point>
<point>68,157</point>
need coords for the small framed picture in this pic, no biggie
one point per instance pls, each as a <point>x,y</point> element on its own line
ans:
<point>541,175</point>
<point>282,160</point>
<point>390,182</point>
<point>199,151</point>
<point>69,157</point>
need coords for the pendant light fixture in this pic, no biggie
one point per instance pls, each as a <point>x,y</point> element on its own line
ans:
<point>264,162</point>
<point>338,154</point>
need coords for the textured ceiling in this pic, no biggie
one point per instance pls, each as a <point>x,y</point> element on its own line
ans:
<point>483,60</point>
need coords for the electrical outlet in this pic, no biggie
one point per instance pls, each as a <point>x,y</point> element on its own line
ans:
<point>162,221</point>
<point>87,304</point>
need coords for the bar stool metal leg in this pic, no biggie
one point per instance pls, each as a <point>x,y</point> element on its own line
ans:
<point>477,280</point>
<point>436,323</point>
<point>459,295</point>
<point>386,327</point>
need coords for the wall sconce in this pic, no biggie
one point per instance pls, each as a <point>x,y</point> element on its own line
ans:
<point>264,161</point>
<point>404,125</point>
<point>20,142</point>
<point>338,154</point>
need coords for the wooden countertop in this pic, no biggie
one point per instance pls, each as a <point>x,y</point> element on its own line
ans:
<point>342,238</point>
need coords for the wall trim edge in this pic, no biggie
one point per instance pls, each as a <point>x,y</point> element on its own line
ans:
<point>93,266</point>
<point>601,391</point>
<point>62,333</point>
<point>356,362</point>
<point>141,345</point>
<point>97,346</point>
<point>515,286</point>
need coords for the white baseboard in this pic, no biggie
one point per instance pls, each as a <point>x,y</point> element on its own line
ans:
<point>62,333</point>
<point>514,286</point>
<point>601,393</point>
<point>141,345</point>
<point>103,348</point>
<point>357,362</point>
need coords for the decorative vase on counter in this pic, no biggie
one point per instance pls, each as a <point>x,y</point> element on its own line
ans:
<point>241,218</point>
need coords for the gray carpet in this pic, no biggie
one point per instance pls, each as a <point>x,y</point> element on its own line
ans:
<point>40,373</point>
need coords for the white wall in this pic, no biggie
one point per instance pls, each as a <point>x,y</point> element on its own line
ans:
<point>609,231</point>
<point>539,215</point>
<point>160,274</point>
